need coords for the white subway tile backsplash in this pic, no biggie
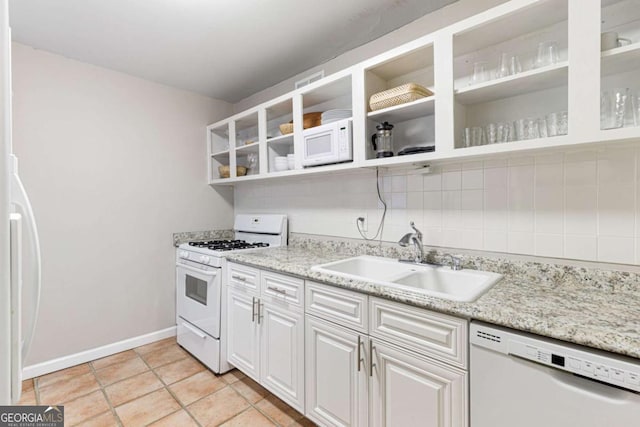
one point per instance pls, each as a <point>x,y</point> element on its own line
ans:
<point>398,200</point>
<point>472,179</point>
<point>472,239</point>
<point>549,210</point>
<point>451,237</point>
<point>616,249</point>
<point>581,215</point>
<point>521,243</point>
<point>581,173</point>
<point>399,183</point>
<point>452,180</point>
<point>577,205</point>
<point>432,236</point>
<point>496,208</point>
<point>415,182</point>
<point>549,245</point>
<point>616,167</point>
<point>495,177</point>
<point>581,247</point>
<point>432,200</point>
<point>495,241</point>
<point>616,211</point>
<point>432,182</point>
<point>549,175</point>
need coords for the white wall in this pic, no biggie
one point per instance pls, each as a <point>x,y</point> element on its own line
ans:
<point>113,165</point>
<point>578,205</point>
<point>421,26</point>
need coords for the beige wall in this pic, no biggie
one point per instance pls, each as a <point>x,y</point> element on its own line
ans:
<point>420,27</point>
<point>113,165</point>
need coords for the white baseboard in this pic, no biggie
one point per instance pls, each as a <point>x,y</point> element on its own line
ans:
<point>95,353</point>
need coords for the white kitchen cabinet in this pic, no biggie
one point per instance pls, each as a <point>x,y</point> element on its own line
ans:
<point>405,368</point>
<point>266,330</point>
<point>282,353</point>
<point>336,374</point>
<point>408,389</point>
<point>243,333</point>
<point>443,61</point>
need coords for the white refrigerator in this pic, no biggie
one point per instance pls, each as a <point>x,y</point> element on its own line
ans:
<point>19,245</point>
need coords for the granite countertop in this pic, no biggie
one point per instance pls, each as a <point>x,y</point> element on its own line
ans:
<point>579,308</point>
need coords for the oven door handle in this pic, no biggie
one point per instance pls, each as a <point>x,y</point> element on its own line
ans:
<point>194,331</point>
<point>210,273</point>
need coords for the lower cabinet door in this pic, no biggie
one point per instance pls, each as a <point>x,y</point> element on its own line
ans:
<point>408,389</point>
<point>243,349</point>
<point>336,374</point>
<point>282,354</point>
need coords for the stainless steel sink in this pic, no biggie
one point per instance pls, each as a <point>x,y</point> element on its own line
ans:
<point>462,285</point>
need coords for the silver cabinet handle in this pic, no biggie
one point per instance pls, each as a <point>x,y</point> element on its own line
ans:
<point>277,290</point>
<point>359,355</point>
<point>253,309</point>
<point>259,311</point>
<point>371,348</point>
<point>240,278</point>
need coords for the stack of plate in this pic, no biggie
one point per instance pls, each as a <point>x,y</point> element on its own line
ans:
<point>335,115</point>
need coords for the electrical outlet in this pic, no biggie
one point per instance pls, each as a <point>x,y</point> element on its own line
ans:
<point>363,222</point>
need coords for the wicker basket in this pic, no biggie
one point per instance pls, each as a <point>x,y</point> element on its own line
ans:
<point>286,128</point>
<point>309,120</point>
<point>225,171</point>
<point>398,95</point>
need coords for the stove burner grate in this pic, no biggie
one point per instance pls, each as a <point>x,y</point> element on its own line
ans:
<point>227,245</point>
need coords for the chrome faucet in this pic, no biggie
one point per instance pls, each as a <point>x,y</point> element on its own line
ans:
<point>455,262</point>
<point>416,239</point>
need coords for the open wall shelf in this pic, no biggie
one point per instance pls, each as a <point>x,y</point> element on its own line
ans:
<point>443,62</point>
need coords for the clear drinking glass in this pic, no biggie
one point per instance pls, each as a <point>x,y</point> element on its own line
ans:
<point>480,74</point>
<point>515,66</point>
<point>531,128</point>
<point>541,125</point>
<point>563,122</point>
<point>491,133</point>
<point>503,132</point>
<point>504,69</point>
<point>612,108</point>
<point>520,129</point>
<point>547,54</point>
<point>635,105</point>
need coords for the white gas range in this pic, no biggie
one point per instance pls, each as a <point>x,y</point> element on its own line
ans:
<point>201,285</point>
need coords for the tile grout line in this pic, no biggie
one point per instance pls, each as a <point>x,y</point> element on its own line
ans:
<point>106,396</point>
<point>166,387</point>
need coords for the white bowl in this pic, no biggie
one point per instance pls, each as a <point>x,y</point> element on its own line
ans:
<point>291,163</point>
<point>279,167</point>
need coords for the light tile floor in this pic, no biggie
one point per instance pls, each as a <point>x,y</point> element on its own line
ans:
<point>158,384</point>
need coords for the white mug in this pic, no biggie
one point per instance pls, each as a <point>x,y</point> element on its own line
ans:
<point>610,40</point>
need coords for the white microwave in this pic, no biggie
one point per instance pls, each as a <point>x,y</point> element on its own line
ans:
<point>326,144</point>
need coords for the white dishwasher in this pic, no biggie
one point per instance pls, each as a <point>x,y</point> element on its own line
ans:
<point>523,380</point>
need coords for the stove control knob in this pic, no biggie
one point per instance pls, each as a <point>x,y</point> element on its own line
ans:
<point>204,259</point>
<point>184,254</point>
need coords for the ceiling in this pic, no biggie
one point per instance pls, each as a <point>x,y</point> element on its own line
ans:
<point>226,49</point>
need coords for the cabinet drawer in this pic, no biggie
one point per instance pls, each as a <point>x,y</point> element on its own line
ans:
<point>344,307</point>
<point>438,335</point>
<point>243,277</point>
<point>281,289</point>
